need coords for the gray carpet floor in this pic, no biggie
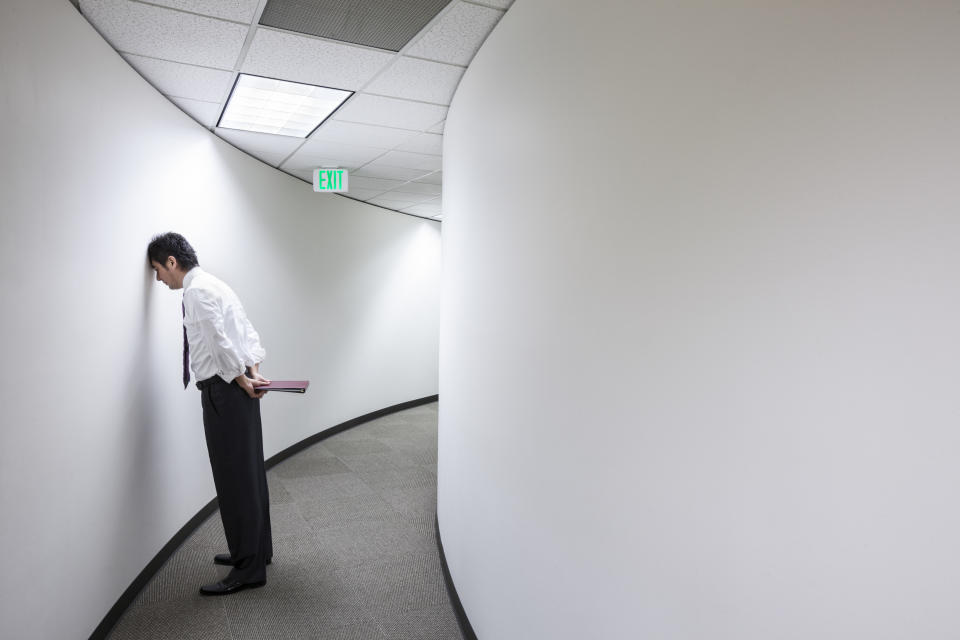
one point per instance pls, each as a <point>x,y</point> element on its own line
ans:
<point>355,557</point>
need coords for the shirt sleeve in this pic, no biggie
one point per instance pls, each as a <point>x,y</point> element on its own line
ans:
<point>254,352</point>
<point>209,318</point>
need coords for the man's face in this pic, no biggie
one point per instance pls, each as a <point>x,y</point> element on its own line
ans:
<point>168,273</point>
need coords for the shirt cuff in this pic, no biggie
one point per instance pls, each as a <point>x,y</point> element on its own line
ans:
<point>228,376</point>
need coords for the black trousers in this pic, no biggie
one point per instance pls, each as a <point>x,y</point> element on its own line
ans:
<point>231,423</point>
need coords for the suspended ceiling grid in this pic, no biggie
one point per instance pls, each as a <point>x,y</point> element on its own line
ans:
<point>389,134</point>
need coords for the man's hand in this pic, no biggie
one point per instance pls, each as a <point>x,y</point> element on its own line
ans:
<point>250,385</point>
<point>256,377</point>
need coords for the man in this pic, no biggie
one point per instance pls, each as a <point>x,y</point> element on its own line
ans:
<point>224,351</point>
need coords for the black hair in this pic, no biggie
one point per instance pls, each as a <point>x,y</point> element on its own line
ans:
<point>172,244</point>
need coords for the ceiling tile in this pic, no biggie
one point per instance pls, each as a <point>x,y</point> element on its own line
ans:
<point>412,160</point>
<point>411,198</point>
<point>437,128</point>
<point>183,80</point>
<point>320,153</point>
<point>390,112</point>
<point>424,143</point>
<point>375,184</point>
<point>206,113</point>
<point>497,4</point>
<point>363,134</point>
<point>302,59</point>
<point>157,32</point>
<point>297,163</point>
<point>270,148</point>
<point>429,209</point>
<point>418,80</point>
<point>419,187</point>
<point>457,35</point>
<point>362,194</point>
<point>433,178</point>
<point>236,10</point>
<point>376,170</point>
<point>388,200</point>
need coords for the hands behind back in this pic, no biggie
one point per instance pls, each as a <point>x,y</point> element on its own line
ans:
<point>250,384</point>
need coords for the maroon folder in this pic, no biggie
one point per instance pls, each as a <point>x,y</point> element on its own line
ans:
<point>292,386</point>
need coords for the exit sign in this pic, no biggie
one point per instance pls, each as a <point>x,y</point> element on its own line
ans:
<point>330,180</point>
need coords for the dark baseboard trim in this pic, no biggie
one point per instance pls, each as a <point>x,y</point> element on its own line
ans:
<point>106,625</point>
<point>465,627</point>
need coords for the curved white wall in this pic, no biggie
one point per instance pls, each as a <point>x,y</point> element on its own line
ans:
<point>700,319</point>
<point>102,454</point>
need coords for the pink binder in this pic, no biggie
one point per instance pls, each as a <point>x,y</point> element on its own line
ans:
<point>292,386</point>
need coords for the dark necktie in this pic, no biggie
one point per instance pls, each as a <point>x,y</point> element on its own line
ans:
<point>186,351</point>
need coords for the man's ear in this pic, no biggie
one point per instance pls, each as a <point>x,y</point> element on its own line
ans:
<point>171,263</point>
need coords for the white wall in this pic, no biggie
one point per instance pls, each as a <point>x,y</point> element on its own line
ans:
<point>102,454</point>
<point>699,337</point>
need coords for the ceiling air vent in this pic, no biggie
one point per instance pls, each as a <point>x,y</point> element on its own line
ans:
<point>384,24</point>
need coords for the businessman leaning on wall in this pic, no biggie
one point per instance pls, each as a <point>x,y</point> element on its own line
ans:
<point>224,351</point>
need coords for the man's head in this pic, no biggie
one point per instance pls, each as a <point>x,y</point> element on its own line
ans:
<point>171,256</point>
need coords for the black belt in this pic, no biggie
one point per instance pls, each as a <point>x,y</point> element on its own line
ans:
<point>203,384</point>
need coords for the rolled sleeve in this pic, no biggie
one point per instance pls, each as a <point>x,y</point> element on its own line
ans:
<point>255,351</point>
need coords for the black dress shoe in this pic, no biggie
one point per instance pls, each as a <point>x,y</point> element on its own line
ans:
<point>226,587</point>
<point>224,558</point>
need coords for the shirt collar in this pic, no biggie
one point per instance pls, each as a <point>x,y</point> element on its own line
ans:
<point>193,273</point>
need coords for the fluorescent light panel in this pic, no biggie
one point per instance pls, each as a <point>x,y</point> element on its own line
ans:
<point>280,107</point>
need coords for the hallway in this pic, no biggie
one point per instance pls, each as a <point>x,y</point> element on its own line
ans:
<point>355,555</point>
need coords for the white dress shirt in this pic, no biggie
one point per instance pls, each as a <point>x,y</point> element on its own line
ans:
<point>222,341</point>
